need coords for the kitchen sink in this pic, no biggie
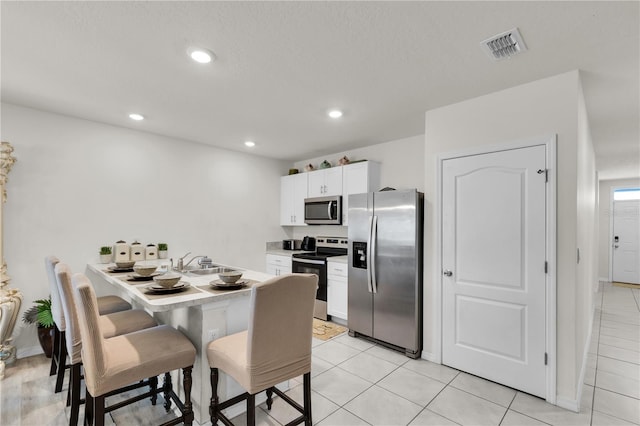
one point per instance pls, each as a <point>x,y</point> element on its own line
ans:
<point>216,269</point>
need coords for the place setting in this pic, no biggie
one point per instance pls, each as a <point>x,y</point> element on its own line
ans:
<point>229,281</point>
<point>121,267</point>
<point>144,273</point>
<point>167,284</point>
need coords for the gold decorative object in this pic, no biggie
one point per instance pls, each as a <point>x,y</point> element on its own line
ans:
<point>10,299</point>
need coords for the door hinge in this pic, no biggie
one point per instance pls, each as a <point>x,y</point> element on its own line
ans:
<point>546,267</point>
<point>546,358</point>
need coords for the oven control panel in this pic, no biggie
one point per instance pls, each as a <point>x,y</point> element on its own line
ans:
<point>332,242</point>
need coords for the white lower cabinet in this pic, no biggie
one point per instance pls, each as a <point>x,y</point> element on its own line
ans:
<point>337,289</point>
<point>278,265</point>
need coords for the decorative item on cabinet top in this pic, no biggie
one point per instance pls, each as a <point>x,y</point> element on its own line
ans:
<point>343,161</point>
<point>123,252</point>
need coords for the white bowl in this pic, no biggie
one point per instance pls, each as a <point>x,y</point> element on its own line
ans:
<point>230,277</point>
<point>167,280</point>
<point>145,270</point>
<point>125,264</point>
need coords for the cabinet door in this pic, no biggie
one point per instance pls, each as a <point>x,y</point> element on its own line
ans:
<point>278,265</point>
<point>287,187</point>
<point>333,181</point>
<point>337,297</point>
<point>272,269</point>
<point>316,183</point>
<point>299,194</point>
<point>293,191</point>
<point>357,179</point>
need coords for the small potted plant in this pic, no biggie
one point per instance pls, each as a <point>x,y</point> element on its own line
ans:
<point>105,254</point>
<point>162,250</point>
<point>40,314</point>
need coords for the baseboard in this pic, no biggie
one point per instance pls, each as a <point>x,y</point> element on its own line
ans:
<point>568,404</point>
<point>430,357</point>
<point>29,351</point>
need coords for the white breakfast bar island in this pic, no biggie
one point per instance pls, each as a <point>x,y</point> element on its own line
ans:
<point>200,312</point>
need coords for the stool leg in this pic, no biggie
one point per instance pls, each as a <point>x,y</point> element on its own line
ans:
<point>74,387</point>
<point>251,410</point>
<point>167,391</point>
<point>187,415</point>
<point>88,409</point>
<point>98,404</point>
<point>153,387</point>
<point>62,362</point>
<point>306,383</point>
<point>56,345</point>
<point>269,398</point>
<point>213,406</point>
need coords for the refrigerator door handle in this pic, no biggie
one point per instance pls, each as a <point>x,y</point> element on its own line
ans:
<point>372,259</point>
<point>369,284</point>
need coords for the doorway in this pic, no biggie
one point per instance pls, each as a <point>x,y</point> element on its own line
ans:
<point>497,292</point>
<point>625,238</point>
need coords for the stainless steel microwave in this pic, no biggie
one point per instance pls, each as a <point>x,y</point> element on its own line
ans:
<point>323,210</point>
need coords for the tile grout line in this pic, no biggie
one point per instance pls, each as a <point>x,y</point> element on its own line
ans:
<point>598,314</point>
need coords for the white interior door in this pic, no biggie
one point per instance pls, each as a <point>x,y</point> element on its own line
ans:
<point>493,264</point>
<point>626,241</point>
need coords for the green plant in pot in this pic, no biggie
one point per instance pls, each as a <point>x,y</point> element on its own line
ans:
<point>40,314</point>
<point>162,250</point>
<point>105,254</point>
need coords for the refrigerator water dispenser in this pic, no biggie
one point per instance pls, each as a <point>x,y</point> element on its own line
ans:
<point>360,254</point>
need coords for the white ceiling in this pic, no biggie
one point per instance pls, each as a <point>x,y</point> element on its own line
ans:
<point>281,65</point>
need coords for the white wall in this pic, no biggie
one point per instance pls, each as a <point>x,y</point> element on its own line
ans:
<point>543,107</point>
<point>604,216</point>
<point>586,283</point>
<point>401,167</point>
<point>79,184</point>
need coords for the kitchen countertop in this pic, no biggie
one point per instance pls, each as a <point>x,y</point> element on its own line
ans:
<point>339,259</point>
<point>177,300</point>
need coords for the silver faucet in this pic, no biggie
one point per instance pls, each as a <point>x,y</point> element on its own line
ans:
<point>204,262</point>
<point>180,265</point>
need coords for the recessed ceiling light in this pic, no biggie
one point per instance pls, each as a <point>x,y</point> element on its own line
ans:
<point>335,113</point>
<point>136,117</point>
<point>202,56</point>
<point>250,144</point>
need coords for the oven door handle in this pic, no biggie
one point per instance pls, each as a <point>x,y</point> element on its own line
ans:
<point>315,262</point>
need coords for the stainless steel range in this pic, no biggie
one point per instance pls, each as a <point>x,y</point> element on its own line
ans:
<point>316,263</point>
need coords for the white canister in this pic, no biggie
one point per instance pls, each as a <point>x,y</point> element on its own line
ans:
<point>121,251</point>
<point>137,251</point>
<point>151,252</point>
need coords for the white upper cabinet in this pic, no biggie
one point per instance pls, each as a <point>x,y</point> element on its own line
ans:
<point>341,180</point>
<point>293,191</point>
<point>325,182</point>
<point>356,179</point>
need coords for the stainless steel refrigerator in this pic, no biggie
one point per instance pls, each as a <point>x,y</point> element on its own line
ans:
<point>385,268</point>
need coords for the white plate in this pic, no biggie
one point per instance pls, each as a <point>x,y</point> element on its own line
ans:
<point>156,288</point>
<point>137,277</point>
<point>220,283</point>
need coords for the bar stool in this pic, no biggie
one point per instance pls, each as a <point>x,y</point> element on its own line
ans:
<point>115,362</point>
<point>266,354</point>
<point>114,324</point>
<point>106,304</point>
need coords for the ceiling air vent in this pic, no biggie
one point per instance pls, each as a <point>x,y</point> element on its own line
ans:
<point>504,45</point>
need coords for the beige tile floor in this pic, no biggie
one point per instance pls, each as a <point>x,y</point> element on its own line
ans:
<point>357,383</point>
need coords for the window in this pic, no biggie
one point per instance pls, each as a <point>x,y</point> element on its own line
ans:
<point>626,194</point>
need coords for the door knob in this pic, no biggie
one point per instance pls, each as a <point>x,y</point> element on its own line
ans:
<point>447,273</point>
<point>615,246</point>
